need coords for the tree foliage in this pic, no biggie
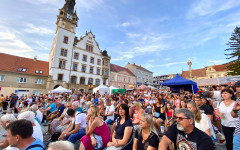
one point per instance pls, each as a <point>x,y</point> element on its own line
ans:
<point>234,52</point>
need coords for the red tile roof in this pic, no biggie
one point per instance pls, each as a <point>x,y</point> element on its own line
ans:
<point>116,68</point>
<point>222,67</point>
<point>13,63</point>
<point>195,73</point>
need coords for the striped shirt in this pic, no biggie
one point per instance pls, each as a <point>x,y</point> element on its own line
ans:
<point>237,128</point>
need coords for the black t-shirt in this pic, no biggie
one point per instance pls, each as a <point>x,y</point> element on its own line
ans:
<point>152,140</point>
<point>196,140</point>
<point>206,109</point>
<point>119,129</point>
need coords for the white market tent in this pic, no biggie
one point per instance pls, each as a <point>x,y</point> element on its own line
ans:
<point>152,88</point>
<point>112,88</point>
<point>102,89</point>
<point>61,89</point>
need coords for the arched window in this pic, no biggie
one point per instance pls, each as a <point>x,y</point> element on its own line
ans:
<point>90,81</point>
<point>82,80</point>
<point>73,79</point>
<point>97,82</point>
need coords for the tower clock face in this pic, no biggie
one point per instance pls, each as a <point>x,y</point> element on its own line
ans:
<point>69,16</point>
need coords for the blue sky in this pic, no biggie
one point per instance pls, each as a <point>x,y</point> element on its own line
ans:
<point>160,35</point>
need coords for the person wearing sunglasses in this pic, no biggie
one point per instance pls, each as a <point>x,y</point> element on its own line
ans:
<point>184,134</point>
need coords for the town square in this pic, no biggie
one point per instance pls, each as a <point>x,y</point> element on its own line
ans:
<point>119,75</point>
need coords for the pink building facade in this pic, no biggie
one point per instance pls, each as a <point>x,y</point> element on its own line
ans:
<point>121,77</point>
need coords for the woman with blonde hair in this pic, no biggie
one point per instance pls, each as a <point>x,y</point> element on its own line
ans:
<point>138,111</point>
<point>202,122</point>
<point>146,137</point>
<point>97,132</point>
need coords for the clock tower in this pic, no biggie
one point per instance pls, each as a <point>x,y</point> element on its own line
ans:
<point>62,47</point>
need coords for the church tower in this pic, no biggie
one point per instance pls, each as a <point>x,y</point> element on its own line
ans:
<point>62,47</point>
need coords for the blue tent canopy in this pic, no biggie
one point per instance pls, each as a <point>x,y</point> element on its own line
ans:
<point>179,82</point>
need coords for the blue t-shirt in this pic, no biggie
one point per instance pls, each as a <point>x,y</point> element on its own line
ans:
<point>38,142</point>
<point>80,109</point>
<point>53,107</point>
<point>60,110</point>
<point>96,101</point>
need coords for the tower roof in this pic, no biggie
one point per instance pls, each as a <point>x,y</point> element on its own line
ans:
<point>69,6</point>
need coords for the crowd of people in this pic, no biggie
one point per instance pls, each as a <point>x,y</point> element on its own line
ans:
<point>138,120</point>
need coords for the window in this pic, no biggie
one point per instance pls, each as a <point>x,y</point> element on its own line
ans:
<point>65,40</point>
<point>119,78</point>
<point>124,86</point>
<point>124,79</point>
<point>90,81</point>
<point>92,60</point>
<point>119,86</point>
<point>99,61</point>
<point>106,72</point>
<point>63,52</point>
<point>129,80</point>
<point>102,62</point>
<point>112,78</point>
<point>91,70</point>
<point>97,82</point>
<point>98,71</point>
<point>89,48</point>
<point>83,68</point>
<point>82,80</point>
<point>76,55</point>
<point>60,77</point>
<point>75,65</point>
<point>39,71</point>
<point>39,81</point>
<point>21,80</point>
<point>37,92</point>
<point>1,78</point>
<point>62,64</point>
<point>73,79</point>
<point>84,58</point>
<point>106,63</point>
<point>22,69</point>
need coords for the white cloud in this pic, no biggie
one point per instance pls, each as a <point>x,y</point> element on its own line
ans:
<point>11,44</point>
<point>133,35</point>
<point>42,45</point>
<point>122,42</point>
<point>210,7</point>
<point>125,24</point>
<point>31,28</point>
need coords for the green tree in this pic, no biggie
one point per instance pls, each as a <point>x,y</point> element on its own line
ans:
<point>234,52</point>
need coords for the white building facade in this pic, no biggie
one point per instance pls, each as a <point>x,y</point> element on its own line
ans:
<point>77,64</point>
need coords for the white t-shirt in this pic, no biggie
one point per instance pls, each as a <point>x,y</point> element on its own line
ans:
<point>80,118</point>
<point>108,110</point>
<point>227,119</point>
<point>39,115</point>
<point>37,131</point>
<point>149,102</point>
<point>203,124</point>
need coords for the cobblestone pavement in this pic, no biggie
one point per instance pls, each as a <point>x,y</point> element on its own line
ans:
<point>46,137</point>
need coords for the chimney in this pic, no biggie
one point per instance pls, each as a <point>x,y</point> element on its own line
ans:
<point>35,58</point>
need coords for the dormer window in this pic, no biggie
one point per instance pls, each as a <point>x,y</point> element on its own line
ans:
<point>41,71</point>
<point>37,71</point>
<point>22,69</point>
